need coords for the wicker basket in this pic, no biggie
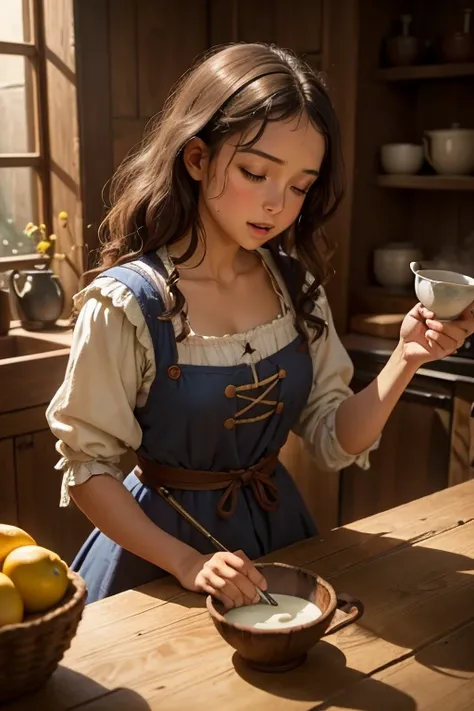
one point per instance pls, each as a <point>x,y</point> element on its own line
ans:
<point>31,650</point>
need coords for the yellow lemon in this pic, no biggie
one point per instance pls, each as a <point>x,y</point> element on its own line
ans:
<point>11,604</point>
<point>39,575</point>
<point>12,537</point>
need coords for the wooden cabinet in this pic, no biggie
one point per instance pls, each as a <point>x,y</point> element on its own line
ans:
<point>426,445</point>
<point>411,461</point>
<point>8,504</point>
<point>320,490</point>
<point>30,489</point>
<point>38,487</point>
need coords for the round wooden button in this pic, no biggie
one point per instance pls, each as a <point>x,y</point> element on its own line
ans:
<point>230,391</point>
<point>174,372</point>
<point>279,407</point>
<point>282,374</point>
<point>229,424</point>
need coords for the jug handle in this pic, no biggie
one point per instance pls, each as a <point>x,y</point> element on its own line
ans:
<point>59,289</point>
<point>348,610</point>
<point>426,146</point>
<point>14,276</point>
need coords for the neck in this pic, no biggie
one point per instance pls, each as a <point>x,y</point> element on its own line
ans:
<point>218,258</point>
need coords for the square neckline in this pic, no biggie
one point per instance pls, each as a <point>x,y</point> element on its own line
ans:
<point>286,313</point>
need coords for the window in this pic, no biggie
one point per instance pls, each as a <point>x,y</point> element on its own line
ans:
<point>24,159</point>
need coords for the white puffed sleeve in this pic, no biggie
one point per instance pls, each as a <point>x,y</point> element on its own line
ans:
<point>109,372</point>
<point>332,373</point>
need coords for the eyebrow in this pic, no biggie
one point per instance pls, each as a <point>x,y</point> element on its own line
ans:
<point>274,159</point>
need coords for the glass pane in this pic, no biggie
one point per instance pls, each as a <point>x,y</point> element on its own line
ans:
<point>18,206</point>
<point>15,89</point>
<point>11,21</point>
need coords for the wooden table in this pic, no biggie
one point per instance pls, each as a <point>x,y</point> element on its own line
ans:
<point>156,648</point>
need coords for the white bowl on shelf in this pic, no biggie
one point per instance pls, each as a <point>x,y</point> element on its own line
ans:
<point>401,158</point>
<point>392,264</point>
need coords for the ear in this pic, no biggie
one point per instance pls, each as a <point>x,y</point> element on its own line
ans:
<point>196,158</point>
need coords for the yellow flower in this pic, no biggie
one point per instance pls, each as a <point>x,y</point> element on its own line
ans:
<point>43,246</point>
<point>63,215</point>
<point>42,228</point>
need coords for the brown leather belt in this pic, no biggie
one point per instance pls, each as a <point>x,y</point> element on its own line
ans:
<point>258,477</point>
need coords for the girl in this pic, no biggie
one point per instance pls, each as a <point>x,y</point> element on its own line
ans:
<point>207,336</point>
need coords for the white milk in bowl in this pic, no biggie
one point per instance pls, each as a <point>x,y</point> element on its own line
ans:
<point>291,612</point>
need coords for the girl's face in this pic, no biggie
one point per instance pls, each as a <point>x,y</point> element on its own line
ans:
<point>256,194</point>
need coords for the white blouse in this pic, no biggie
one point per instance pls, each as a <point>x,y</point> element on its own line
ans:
<point>112,366</point>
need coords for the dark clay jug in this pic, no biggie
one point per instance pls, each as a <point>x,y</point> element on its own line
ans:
<point>39,297</point>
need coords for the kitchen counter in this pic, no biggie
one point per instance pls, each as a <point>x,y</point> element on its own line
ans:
<point>32,365</point>
<point>452,368</point>
<point>61,333</point>
<point>155,647</point>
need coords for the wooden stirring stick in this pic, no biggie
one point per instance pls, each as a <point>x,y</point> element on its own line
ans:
<point>165,494</point>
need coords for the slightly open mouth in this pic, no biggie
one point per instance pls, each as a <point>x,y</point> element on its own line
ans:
<point>262,228</point>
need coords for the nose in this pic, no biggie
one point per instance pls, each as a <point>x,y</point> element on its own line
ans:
<point>274,201</point>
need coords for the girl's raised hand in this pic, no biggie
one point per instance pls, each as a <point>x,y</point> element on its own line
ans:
<point>426,339</point>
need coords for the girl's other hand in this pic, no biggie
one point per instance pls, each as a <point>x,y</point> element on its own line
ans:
<point>230,577</point>
<point>425,339</point>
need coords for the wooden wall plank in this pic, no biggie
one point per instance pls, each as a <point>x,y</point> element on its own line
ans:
<point>123,58</point>
<point>257,26</point>
<point>299,25</point>
<point>91,19</point>
<point>340,64</point>
<point>170,36</point>
<point>127,134</point>
<point>223,21</point>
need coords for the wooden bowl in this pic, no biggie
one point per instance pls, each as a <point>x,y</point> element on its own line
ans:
<point>281,650</point>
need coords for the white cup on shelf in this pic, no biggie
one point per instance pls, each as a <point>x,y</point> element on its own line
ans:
<point>401,158</point>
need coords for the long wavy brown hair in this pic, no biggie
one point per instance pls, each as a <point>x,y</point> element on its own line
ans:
<point>230,91</point>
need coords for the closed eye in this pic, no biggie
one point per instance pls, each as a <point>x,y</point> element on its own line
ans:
<point>252,176</point>
<point>258,179</point>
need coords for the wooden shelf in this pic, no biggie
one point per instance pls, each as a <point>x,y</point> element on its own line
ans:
<point>427,71</point>
<point>427,182</point>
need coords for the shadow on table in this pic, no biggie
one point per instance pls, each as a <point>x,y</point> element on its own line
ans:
<point>67,690</point>
<point>322,676</point>
<point>413,595</point>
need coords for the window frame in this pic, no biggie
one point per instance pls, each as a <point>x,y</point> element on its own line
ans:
<point>34,51</point>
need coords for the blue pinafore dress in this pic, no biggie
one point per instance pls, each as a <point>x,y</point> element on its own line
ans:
<point>195,419</point>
